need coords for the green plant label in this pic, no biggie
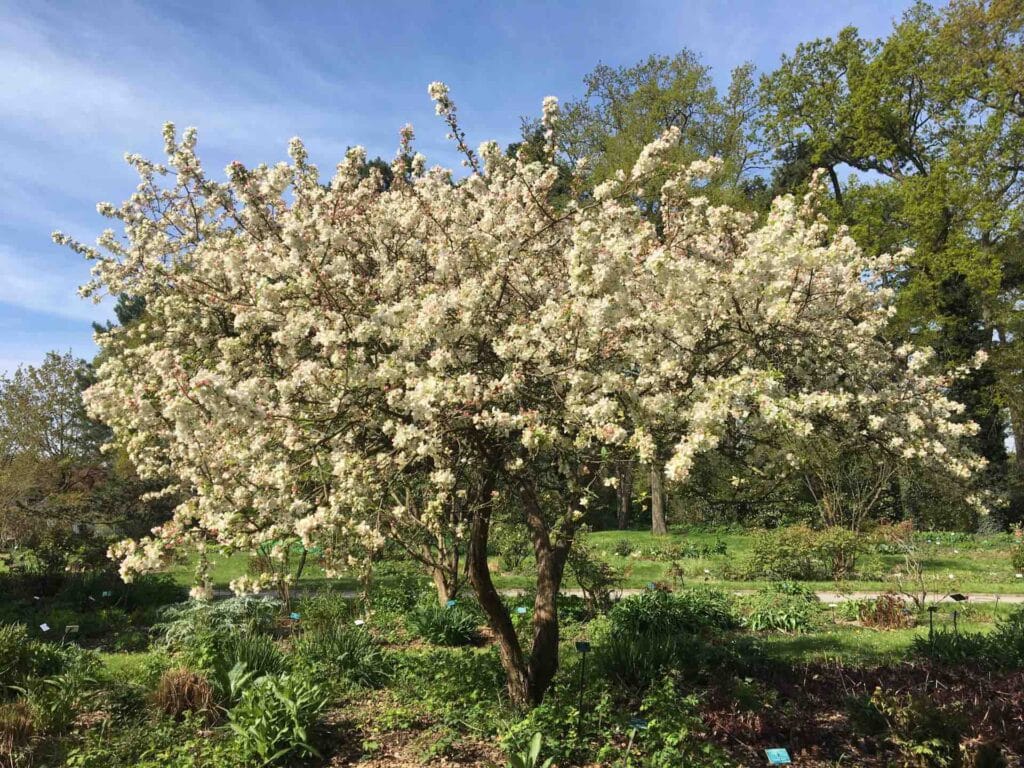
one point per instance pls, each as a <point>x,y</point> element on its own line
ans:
<point>778,756</point>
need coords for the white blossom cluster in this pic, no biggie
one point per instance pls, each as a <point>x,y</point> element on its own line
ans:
<point>338,362</point>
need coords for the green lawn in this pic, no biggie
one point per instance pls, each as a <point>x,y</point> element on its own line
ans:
<point>979,564</point>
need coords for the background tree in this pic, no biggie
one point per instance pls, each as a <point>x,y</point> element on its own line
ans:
<point>931,116</point>
<point>49,455</point>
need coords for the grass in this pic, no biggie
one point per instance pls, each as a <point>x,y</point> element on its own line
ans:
<point>980,563</point>
<point>853,644</point>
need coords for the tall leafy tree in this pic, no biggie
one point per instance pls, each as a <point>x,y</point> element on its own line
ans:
<point>931,118</point>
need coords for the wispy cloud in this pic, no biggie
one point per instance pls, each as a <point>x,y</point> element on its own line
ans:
<point>81,83</point>
<point>46,284</point>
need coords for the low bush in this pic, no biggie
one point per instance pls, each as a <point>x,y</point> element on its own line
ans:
<point>348,653</point>
<point>785,554</point>
<point>443,625</point>
<point>886,611</point>
<point>511,547</point>
<point>663,613</point>
<point>1008,639</point>
<point>326,610</point>
<point>17,729</point>
<point>920,731</point>
<point>155,743</point>
<point>193,623</point>
<point>458,686</point>
<point>800,553</point>
<point>15,655</point>
<point>783,609</point>
<point>257,653</point>
<point>182,691</point>
<point>838,549</point>
<point>274,718</point>
<point>1017,557</point>
<point>623,548</point>
<point>595,577</point>
<point>631,663</point>
<point>56,701</point>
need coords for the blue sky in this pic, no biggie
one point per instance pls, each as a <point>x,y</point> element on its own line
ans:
<point>83,83</point>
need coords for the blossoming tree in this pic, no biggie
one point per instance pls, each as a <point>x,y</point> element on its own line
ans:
<point>338,363</point>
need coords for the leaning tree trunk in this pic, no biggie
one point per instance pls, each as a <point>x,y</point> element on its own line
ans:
<point>624,494</point>
<point>658,526</point>
<point>528,678</point>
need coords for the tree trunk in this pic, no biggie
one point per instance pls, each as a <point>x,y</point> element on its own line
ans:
<point>446,587</point>
<point>528,679</point>
<point>512,660</point>
<point>658,526</point>
<point>550,569</point>
<point>624,493</point>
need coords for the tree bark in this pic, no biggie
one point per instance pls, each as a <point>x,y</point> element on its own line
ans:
<point>550,560</point>
<point>624,494</point>
<point>512,660</point>
<point>445,590</point>
<point>658,526</point>
<point>528,679</point>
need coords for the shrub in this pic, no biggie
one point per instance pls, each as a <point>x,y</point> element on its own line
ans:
<point>595,577</point>
<point>443,625</point>
<point>181,691</point>
<point>17,728</point>
<point>512,547</point>
<point>785,553</point>
<point>458,686</point>
<point>673,735</point>
<point>15,655</point>
<point>923,733</point>
<point>633,662</point>
<point>345,652</point>
<point>56,701</point>
<point>783,610</point>
<point>1008,638</point>
<point>530,757</point>
<point>838,548</point>
<point>1017,557</point>
<point>155,743</point>
<point>326,610</point>
<point>662,613</point>
<point>886,611</point>
<point>955,649</point>
<point>257,653</point>
<point>623,548</point>
<point>273,719</point>
<point>196,621</point>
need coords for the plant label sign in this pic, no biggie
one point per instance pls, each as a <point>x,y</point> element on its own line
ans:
<point>294,616</point>
<point>521,610</point>
<point>582,646</point>
<point>778,756</point>
<point>451,603</point>
<point>45,627</point>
